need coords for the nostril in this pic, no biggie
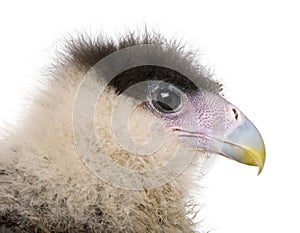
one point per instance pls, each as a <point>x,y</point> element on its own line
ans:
<point>235,112</point>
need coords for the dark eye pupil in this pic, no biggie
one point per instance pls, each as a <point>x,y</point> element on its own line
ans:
<point>167,101</point>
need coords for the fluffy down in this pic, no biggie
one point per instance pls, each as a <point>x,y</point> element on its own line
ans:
<point>45,186</point>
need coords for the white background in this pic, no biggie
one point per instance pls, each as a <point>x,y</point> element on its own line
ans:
<point>253,48</point>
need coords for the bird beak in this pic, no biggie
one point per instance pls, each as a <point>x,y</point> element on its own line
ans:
<point>245,145</point>
<point>220,127</point>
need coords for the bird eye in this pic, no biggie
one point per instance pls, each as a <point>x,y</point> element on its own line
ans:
<point>166,98</point>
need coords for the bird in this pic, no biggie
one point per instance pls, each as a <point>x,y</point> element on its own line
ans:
<point>115,137</point>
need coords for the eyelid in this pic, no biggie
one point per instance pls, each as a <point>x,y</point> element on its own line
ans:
<point>152,87</point>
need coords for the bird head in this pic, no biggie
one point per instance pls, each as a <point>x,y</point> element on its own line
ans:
<point>164,85</point>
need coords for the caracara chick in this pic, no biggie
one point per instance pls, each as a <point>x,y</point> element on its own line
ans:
<point>117,139</point>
